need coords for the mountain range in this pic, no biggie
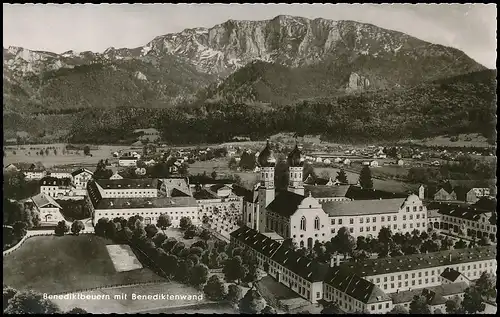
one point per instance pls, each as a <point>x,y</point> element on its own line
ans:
<point>273,63</point>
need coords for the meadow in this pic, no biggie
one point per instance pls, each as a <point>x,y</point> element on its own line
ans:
<point>51,264</point>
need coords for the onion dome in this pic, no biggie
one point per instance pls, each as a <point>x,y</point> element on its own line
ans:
<point>295,158</point>
<point>266,157</point>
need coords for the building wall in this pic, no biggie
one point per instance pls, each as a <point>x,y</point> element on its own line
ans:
<point>421,278</point>
<point>82,179</point>
<point>470,227</point>
<point>150,214</point>
<point>351,305</point>
<point>310,210</point>
<point>443,195</point>
<point>54,191</point>
<point>50,215</point>
<point>129,193</point>
<point>61,175</point>
<point>127,162</point>
<point>34,175</point>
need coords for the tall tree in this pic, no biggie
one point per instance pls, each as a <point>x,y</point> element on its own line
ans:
<point>342,177</point>
<point>419,305</point>
<point>398,310</point>
<point>199,275</point>
<point>86,150</point>
<point>30,302</point>
<point>215,289</point>
<point>473,301</point>
<point>164,222</point>
<point>365,178</point>
<point>486,285</point>
<point>252,302</point>
<point>234,293</point>
<point>77,226</point>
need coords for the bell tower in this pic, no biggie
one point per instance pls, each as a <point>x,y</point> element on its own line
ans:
<point>295,169</point>
<point>266,162</point>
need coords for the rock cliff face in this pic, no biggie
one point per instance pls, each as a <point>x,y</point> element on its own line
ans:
<point>321,56</point>
<point>357,82</point>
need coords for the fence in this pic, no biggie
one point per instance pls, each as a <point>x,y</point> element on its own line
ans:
<point>111,287</point>
<point>35,233</point>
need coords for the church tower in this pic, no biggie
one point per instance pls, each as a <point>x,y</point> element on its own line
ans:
<point>295,169</point>
<point>266,162</point>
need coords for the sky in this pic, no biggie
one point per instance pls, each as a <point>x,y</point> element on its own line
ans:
<point>59,28</point>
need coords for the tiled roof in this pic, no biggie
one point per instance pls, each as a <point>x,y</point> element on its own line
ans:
<point>256,240</point>
<point>53,181</point>
<point>42,200</point>
<point>322,191</point>
<point>153,202</point>
<point>29,167</point>
<point>128,158</point>
<point>358,193</point>
<point>404,263</point>
<point>243,192</point>
<point>450,274</point>
<point>362,207</point>
<point>176,183</point>
<point>128,183</point>
<point>449,289</point>
<point>203,194</point>
<point>310,270</point>
<point>435,295</point>
<point>285,203</point>
<point>355,286</point>
<point>461,212</point>
<point>178,193</point>
<point>81,170</point>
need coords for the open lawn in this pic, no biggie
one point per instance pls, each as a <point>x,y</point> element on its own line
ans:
<point>101,153</point>
<point>178,234</point>
<point>51,264</point>
<point>220,166</point>
<point>467,140</point>
<point>125,302</point>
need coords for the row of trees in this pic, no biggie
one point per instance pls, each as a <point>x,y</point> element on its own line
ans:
<point>31,302</point>
<point>62,228</point>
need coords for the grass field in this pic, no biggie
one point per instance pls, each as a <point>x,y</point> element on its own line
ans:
<point>468,140</point>
<point>103,152</point>
<point>53,264</point>
<point>220,166</point>
<point>178,234</point>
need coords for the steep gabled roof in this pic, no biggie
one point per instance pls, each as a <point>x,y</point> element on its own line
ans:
<point>355,286</point>
<point>256,240</point>
<point>81,170</point>
<point>42,200</point>
<point>362,207</point>
<point>310,270</point>
<point>285,203</point>
<point>322,191</point>
<point>450,274</point>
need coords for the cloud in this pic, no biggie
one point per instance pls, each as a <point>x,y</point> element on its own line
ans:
<point>58,28</point>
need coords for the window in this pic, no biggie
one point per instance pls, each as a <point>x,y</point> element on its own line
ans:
<point>303,223</point>
<point>333,221</point>
<point>404,225</point>
<point>392,278</point>
<point>404,217</point>
<point>361,229</point>
<point>411,217</point>
<point>382,219</point>
<point>419,274</point>
<point>318,295</point>
<point>333,230</point>
<point>340,221</point>
<point>367,220</point>
<point>367,229</point>
<point>411,225</point>
<point>426,273</point>
<point>418,216</point>
<point>385,279</point>
<point>374,219</point>
<point>412,275</point>
<point>420,208</point>
<point>373,307</point>
<point>407,209</point>
<point>379,306</point>
<point>374,228</point>
<point>394,218</point>
<point>414,208</point>
<point>351,221</point>
<point>399,284</point>
<point>378,280</point>
<point>351,230</point>
<point>361,220</point>
<point>316,223</point>
<point>395,226</point>
<point>399,277</point>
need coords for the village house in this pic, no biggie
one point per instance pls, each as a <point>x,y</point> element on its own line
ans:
<point>48,208</point>
<point>80,178</point>
<point>127,161</point>
<point>55,187</point>
<point>31,172</point>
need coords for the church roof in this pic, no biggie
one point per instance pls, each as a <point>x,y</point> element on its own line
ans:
<point>285,203</point>
<point>362,207</point>
<point>256,240</point>
<point>323,191</point>
<point>266,157</point>
<point>295,157</point>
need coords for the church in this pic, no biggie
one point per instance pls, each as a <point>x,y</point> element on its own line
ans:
<point>309,213</point>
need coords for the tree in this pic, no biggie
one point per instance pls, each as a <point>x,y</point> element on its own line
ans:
<point>199,275</point>
<point>234,294</point>
<point>169,244</point>
<point>419,305</point>
<point>55,152</point>
<point>232,164</point>
<point>159,238</point>
<point>453,305</point>
<point>185,223</point>
<point>151,230</point>
<point>342,177</point>
<point>164,222</point>
<point>61,228</point>
<point>252,302</point>
<point>214,174</point>
<point>233,269</point>
<point>8,293</point>
<point>331,308</point>
<point>385,235</point>
<point>484,241</point>
<point>47,152</point>
<point>183,270</point>
<point>86,150</point>
<point>461,244</point>
<point>486,285</point>
<point>268,310</point>
<point>215,289</point>
<point>289,243</point>
<point>30,303</point>
<point>344,241</point>
<point>76,227</point>
<point>205,235</point>
<point>251,273</point>
<point>77,310</point>
<point>170,264</point>
<point>398,310</point>
<point>446,244</point>
<point>100,227</point>
<point>473,301</point>
<point>365,178</point>
<point>19,229</point>
<point>190,233</point>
